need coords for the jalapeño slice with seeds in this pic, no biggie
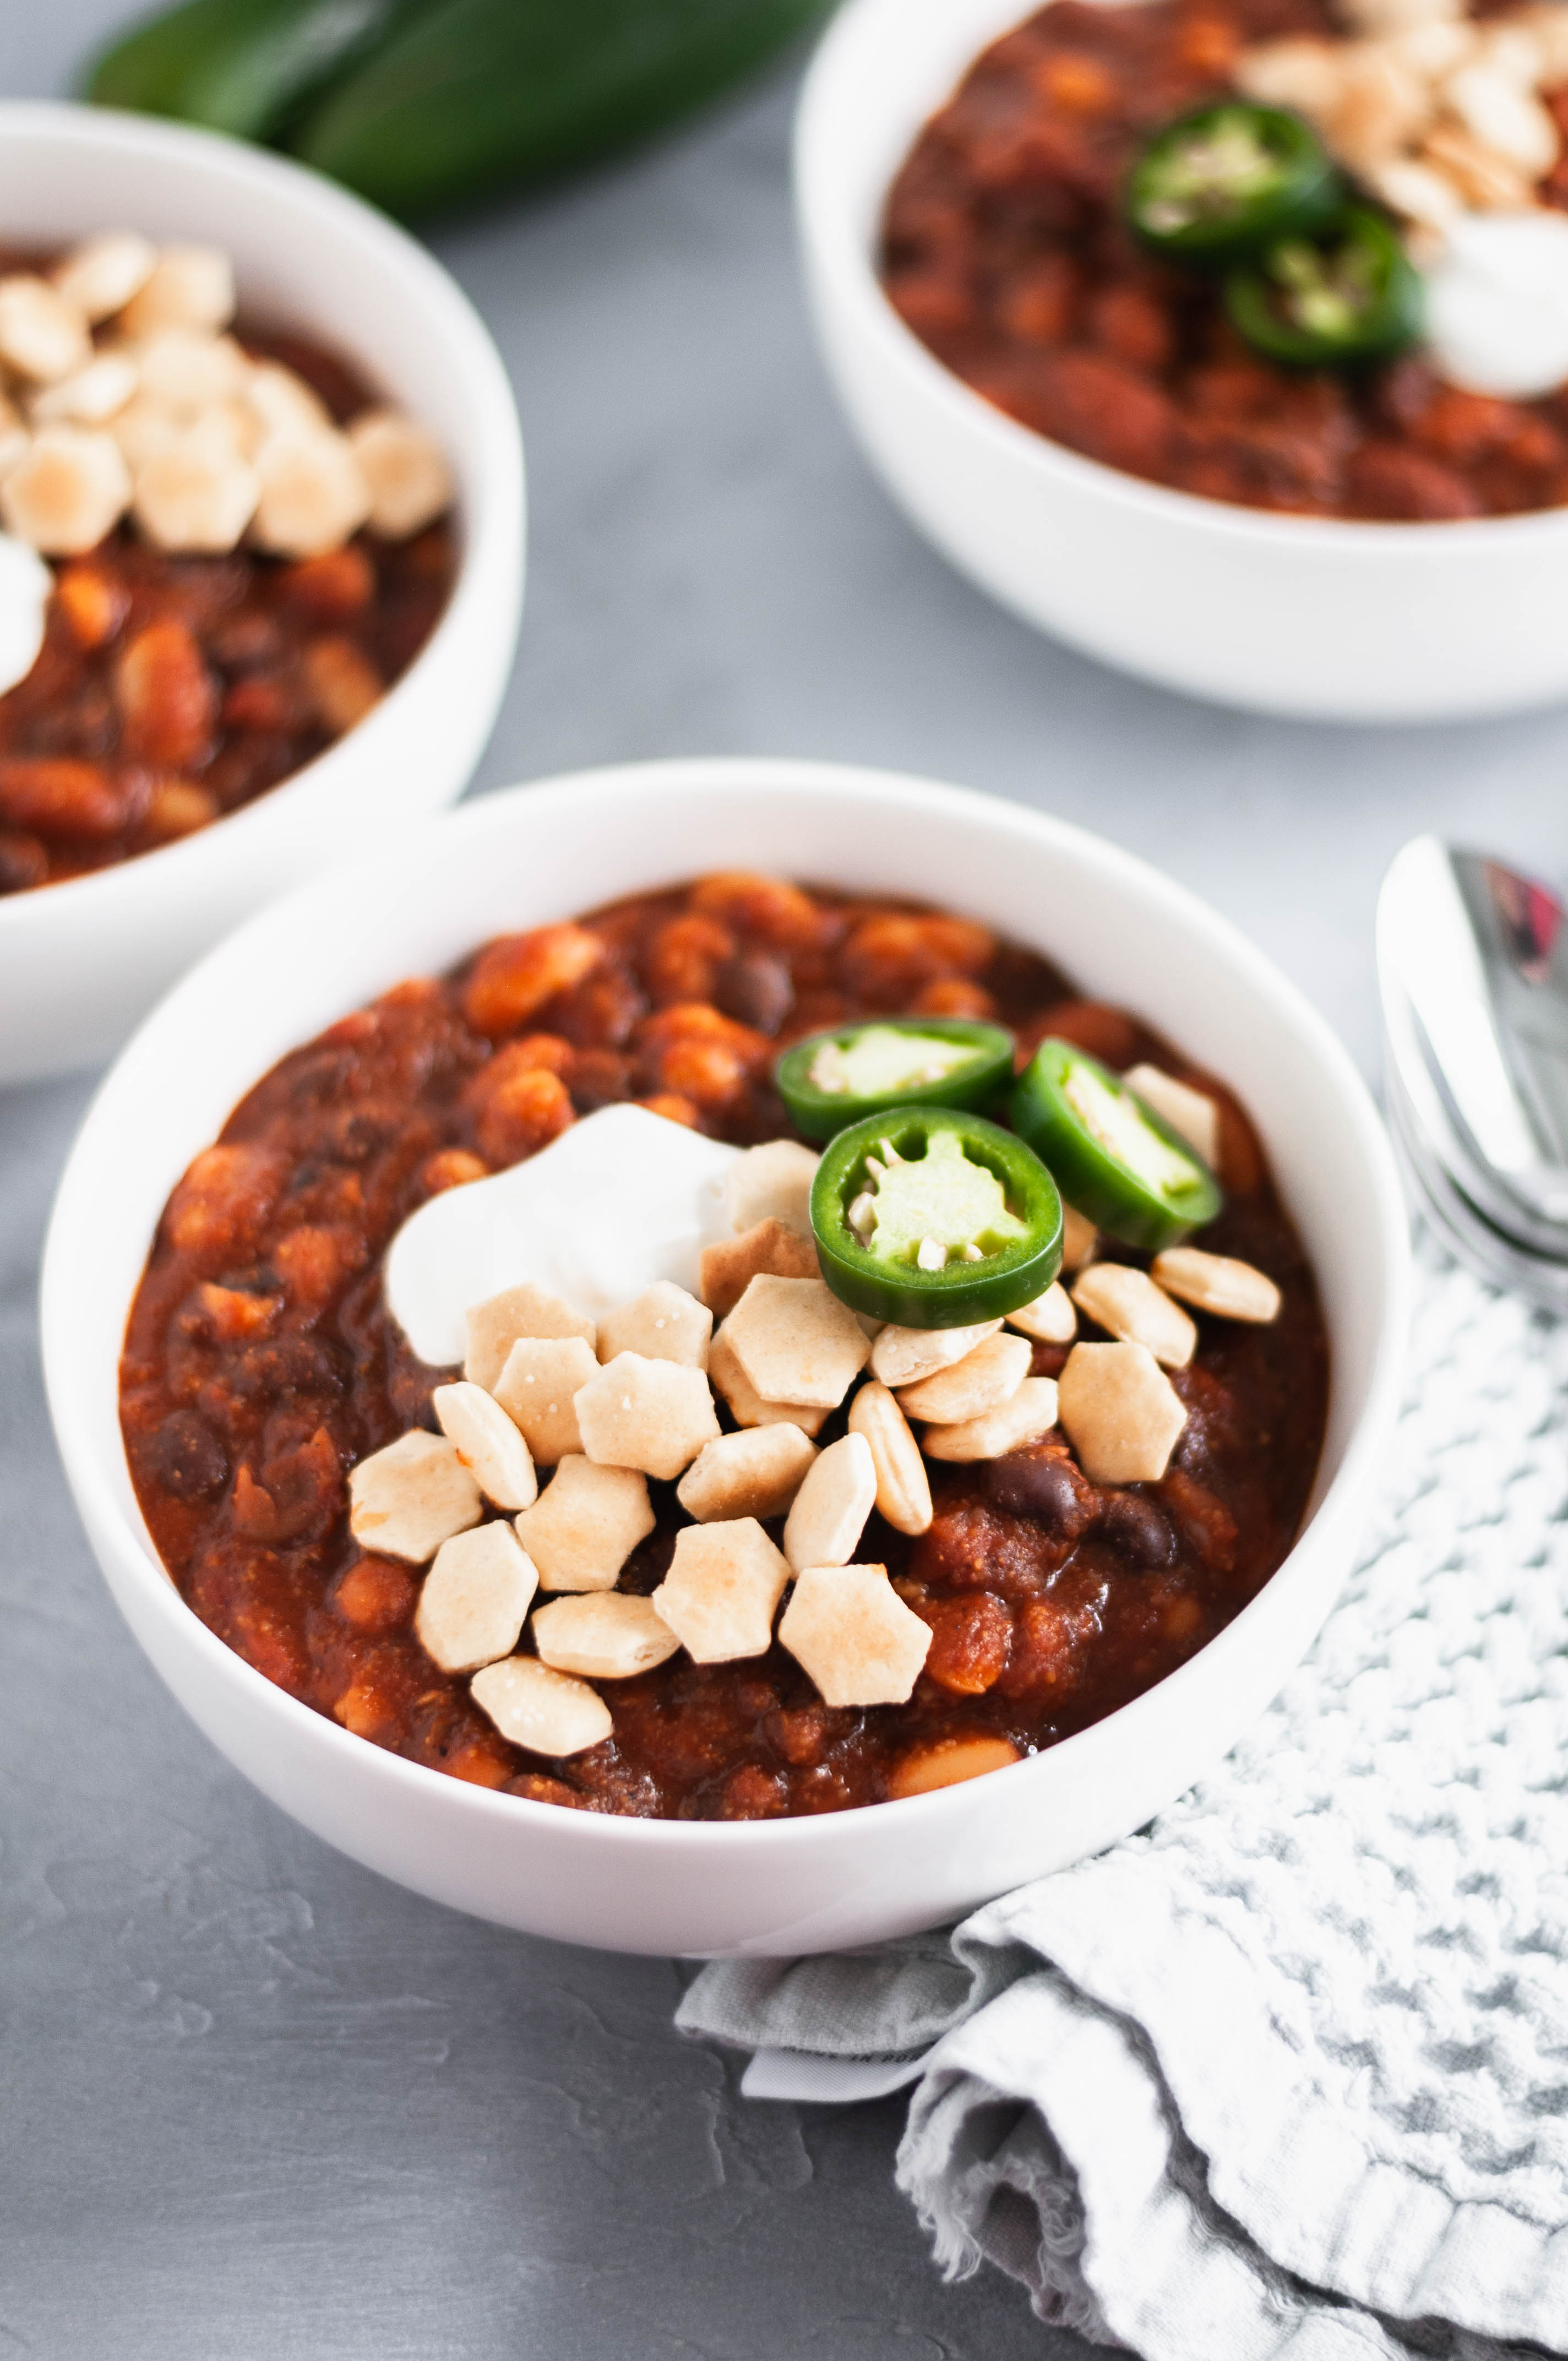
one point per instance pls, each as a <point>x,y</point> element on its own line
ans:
<point>835,1077</point>
<point>1229,179</point>
<point>1115,1159</point>
<point>934,1218</point>
<point>1350,295</point>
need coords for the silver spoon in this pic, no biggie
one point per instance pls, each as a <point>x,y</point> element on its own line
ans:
<point>1473,970</point>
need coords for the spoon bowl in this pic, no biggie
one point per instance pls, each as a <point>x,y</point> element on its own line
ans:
<point>1473,970</point>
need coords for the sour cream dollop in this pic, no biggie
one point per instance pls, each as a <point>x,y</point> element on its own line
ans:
<point>24,585</point>
<point>620,1199</point>
<point>1497,303</point>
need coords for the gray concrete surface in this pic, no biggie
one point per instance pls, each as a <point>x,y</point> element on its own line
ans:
<point>253,2102</point>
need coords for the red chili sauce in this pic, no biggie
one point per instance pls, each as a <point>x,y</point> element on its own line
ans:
<point>260,1362</point>
<point>170,690</point>
<point>1004,251</point>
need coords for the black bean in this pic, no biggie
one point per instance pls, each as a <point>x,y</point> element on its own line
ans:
<point>187,1457</point>
<point>756,988</point>
<point>352,1135</point>
<point>1042,1485</point>
<point>245,641</point>
<point>1136,1529</point>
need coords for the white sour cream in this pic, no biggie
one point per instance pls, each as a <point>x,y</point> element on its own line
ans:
<point>1497,303</point>
<point>620,1199</point>
<point>25,585</point>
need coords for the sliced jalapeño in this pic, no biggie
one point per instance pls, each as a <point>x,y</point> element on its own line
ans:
<point>933,1218</point>
<point>1115,1159</point>
<point>835,1077</point>
<point>1229,179</point>
<point>1348,296</point>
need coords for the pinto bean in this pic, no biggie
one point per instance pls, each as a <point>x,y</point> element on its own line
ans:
<point>953,995</point>
<point>674,1108</point>
<point>948,1763</point>
<point>453,1168</point>
<point>518,973</point>
<point>230,1315</point>
<point>699,1054</point>
<point>178,808</point>
<point>684,959</point>
<point>331,588</point>
<point>167,700</point>
<point>366,1709</point>
<point>312,1262</point>
<point>92,602</point>
<point>62,799</point>
<point>770,907</point>
<point>887,959</point>
<point>536,1053</point>
<point>522,1115</point>
<point>222,1199</point>
<point>376,1594</point>
<point>341,683</point>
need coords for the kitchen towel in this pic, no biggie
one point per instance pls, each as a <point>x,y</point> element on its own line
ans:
<point>1287,2073</point>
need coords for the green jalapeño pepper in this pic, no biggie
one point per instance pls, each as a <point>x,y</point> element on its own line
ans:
<point>833,1079</point>
<point>1229,179</point>
<point>934,1218</point>
<point>1351,295</point>
<point>1115,1159</point>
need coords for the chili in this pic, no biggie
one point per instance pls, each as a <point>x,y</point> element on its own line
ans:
<point>172,689</point>
<point>1005,249</point>
<point>261,1363</point>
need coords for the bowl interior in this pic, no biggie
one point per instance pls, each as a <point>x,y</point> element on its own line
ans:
<point>545,852</point>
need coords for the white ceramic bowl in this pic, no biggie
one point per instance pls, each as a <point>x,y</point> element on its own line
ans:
<point>546,852</point>
<point>81,962</point>
<point>1301,615</point>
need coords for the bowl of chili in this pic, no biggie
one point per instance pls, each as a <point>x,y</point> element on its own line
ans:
<point>82,959</point>
<point>1074,521</point>
<point>671,1883</point>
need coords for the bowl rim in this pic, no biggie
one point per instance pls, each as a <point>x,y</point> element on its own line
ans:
<point>836,250</point>
<point>491,528</point>
<point>561,797</point>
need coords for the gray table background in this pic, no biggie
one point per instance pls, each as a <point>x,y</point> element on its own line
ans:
<point>253,2101</point>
